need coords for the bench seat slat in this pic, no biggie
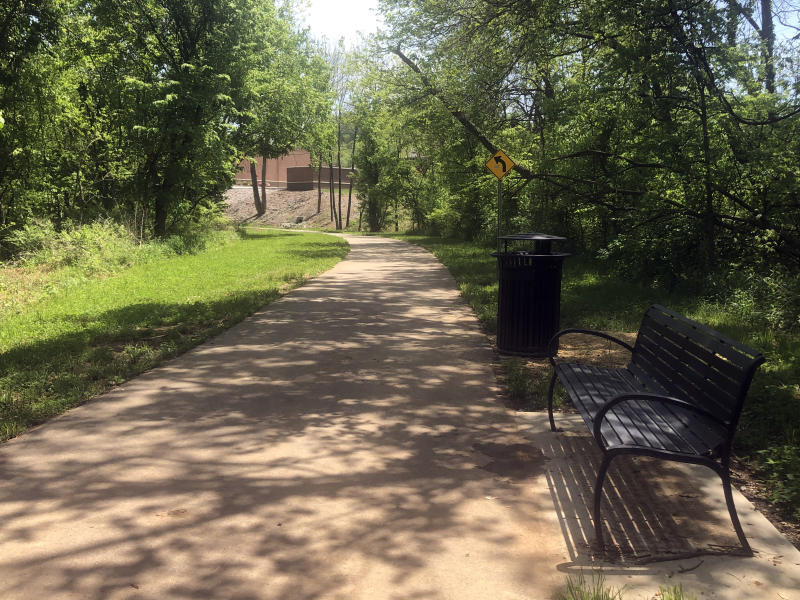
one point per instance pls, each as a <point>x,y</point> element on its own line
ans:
<point>640,423</point>
<point>669,428</point>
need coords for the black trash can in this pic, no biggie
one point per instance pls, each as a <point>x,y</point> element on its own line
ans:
<point>529,296</point>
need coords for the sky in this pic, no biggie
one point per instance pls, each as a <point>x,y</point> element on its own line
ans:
<point>342,18</point>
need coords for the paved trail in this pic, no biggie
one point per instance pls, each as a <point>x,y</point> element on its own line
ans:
<point>346,442</point>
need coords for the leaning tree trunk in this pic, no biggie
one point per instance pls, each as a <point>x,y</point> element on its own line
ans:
<point>768,37</point>
<point>254,181</point>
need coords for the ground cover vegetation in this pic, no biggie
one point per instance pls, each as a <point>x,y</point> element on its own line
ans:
<point>660,137</point>
<point>69,332</point>
<point>579,587</point>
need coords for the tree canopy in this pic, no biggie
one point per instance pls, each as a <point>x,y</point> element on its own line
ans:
<point>140,110</point>
<point>660,134</point>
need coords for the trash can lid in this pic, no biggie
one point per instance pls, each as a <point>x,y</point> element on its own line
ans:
<point>533,236</point>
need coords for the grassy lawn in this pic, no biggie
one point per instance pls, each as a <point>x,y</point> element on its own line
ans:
<point>769,430</point>
<point>62,349</point>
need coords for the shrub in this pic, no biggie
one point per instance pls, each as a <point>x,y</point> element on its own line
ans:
<point>781,464</point>
<point>98,247</point>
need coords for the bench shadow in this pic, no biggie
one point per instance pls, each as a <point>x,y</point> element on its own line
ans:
<point>652,510</point>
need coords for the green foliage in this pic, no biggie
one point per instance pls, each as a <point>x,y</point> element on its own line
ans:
<point>74,343</point>
<point>139,110</point>
<point>288,93</point>
<point>96,247</point>
<point>659,136</point>
<point>781,465</point>
<point>675,592</point>
<point>49,261</point>
<point>578,588</point>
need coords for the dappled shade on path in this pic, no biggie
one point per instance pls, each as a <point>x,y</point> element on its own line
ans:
<point>345,442</point>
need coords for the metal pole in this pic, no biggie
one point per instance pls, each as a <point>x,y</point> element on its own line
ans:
<point>499,209</point>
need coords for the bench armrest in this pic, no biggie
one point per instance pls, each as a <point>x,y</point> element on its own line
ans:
<point>551,344</point>
<point>600,416</point>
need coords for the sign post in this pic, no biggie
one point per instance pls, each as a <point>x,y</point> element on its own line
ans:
<point>499,209</point>
<point>499,164</point>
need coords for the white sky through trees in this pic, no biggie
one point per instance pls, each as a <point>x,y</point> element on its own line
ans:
<point>335,19</point>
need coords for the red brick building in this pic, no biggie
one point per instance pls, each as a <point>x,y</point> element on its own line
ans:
<point>302,176</point>
<point>276,168</point>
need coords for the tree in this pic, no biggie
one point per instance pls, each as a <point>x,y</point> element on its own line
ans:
<point>289,95</point>
<point>640,129</point>
<point>139,110</point>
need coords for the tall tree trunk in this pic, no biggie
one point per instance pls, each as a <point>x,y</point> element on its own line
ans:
<point>163,196</point>
<point>264,183</point>
<point>349,201</point>
<point>768,37</point>
<point>339,163</point>
<point>332,189</point>
<point>160,215</point>
<point>254,181</point>
<point>319,185</point>
<point>350,176</point>
<point>766,33</point>
<point>708,229</point>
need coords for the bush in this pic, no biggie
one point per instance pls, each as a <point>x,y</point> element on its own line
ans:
<point>47,260</point>
<point>781,464</point>
<point>99,247</point>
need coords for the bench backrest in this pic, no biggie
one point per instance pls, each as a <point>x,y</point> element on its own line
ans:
<point>695,363</point>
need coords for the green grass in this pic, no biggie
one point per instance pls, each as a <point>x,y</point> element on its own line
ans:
<point>578,587</point>
<point>62,349</point>
<point>769,431</point>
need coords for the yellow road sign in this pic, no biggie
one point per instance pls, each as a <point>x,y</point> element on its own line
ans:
<point>500,164</point>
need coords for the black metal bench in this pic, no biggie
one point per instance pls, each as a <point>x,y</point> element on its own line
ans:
<point>678,399</point>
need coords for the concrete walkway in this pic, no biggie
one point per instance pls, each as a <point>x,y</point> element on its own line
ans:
<point>346,443</point>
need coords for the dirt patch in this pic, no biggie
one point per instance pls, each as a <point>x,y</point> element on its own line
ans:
<point>289,209</point>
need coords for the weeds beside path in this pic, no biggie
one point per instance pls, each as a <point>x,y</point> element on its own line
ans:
<point>62,349</point>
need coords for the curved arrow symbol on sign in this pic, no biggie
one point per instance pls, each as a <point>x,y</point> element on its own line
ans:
<point>500,161</point>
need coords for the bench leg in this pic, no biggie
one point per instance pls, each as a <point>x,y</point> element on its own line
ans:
<point>598,496</point>
<point>550,403</point>
<point>724,473</point>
